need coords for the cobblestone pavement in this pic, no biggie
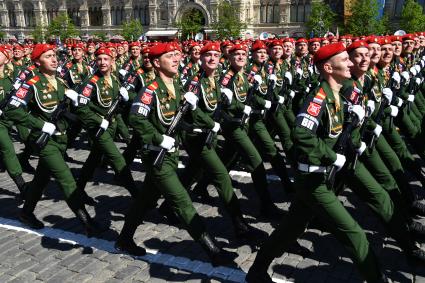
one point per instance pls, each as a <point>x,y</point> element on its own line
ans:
<point>62,253</point>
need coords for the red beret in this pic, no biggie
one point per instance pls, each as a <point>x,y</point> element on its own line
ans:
<point>146,49</point>
<point>18,47</point>
<point>78,45</point>
<point>373,39</point>
<point>237,47</point>
<point>357,44</point>
<point>194,44</point>
<point>91,44</point>
<point>276,42</point>
<point>396,38</point>
<point>161,48</point>
<point>226,43</point>
<point>408,37</point>
<point>386,40</point>
<point>103,50</point>
<point>111,45</point>
<point>40,49</point>
<point>314,39</point>
<point>4,51</point>
<point>134,43</point>
<point>211,46</point>
<point>328,51</point>
<point>301,40</point>
<point>258,44</point>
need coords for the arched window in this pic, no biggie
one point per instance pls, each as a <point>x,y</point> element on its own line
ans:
<point>300,10</point>
<point>52,8</point>
<point>146,17</point>
<point>29,14</point>
<point>74,15</point>
<point>96,16</point>
<point>163,11</point>
<point>269,11</point>
<point>398,7</point>
<point>12,17</point>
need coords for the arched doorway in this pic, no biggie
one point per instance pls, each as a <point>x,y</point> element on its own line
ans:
<point>192,19</point>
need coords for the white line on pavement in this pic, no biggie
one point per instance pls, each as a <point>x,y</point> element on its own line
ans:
<point>152,256</point>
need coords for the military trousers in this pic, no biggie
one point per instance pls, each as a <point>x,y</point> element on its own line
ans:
<point>9,158</point>
<point>314,198</point>
<point>277,125</point>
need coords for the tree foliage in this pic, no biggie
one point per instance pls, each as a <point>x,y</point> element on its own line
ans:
<point>191,23</point>
<point>322,18</point>
<point>228,24</point>
<point>132,30</point>
<point>364,18</point>
<point>39,33</point>
<point>62,27</point>
<point>412,17</point>
<point>101,35</point>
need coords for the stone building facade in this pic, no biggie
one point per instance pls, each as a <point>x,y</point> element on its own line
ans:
<point>19,17</point>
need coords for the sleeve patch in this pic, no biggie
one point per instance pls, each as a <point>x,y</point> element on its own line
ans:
<point>146,98</point>
<point>313,109</point>
<point>87,90</point>
<point>22,91</point>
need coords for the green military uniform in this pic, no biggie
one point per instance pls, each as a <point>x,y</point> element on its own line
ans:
<point>318,126</point>
<point>95,100</point>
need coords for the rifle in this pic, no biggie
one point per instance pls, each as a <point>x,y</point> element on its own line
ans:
<point>341,147</point>
<point>171,131</point>
<point>128,85</point>
<point>216,117</point>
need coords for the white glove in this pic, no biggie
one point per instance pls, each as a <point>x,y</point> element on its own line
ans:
<point>406,76</point>
<point>124,93</point>
<point>216,127</point>
<point>413,71</point>
<point>358,110</point>
<point>48,128</point>
<point>292,94</point>
<point>288,75</point>
<point>73,96</point>
<point>371,105</point>
<point>267,104</point>
<point>411,98</point>
<point>123,72</point>
<point>17,85</point>
<point>258,79</point>
<point>183,81</point>
<point>388,93</point>
<point>399,102</point>
<point>247,110</point>
<point>396,77</point>
<point>361,148</point>
<point>1,113</point>
<point>281,99</point>
<point>59,69</point>
<point>422,63</point>
<point>418,68</point>
<point>311,70</point>
<point>340,161</point>
<point>418,81</point>
<point>394,110</point>
<point>377,131</point>
<point>273,78</point>
<point>300,72</point>
<point>307,90</point>
<point>192,99</point>
<point>167,142</point>
<point>105,124</point>
<point>228,93</point>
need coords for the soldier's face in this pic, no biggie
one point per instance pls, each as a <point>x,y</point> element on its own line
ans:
<point>167,63</point>
<point>179,55</point>
<point>27,50</point>
<point>287,49</point>
<point>135,51</point>
<point>325,42</point>
<point>408,46</point>
<point>104,62</point>
<point>361,60</point>
<point>422,40</point>
<point>17,53</point>
<point>301,48</point>
<point>314,46</point>
<point>226,50</point>
<point>238,59</point>
<point>120,50</point>
<point>339,67</point>
<point>210,60</point>
<point>260,55</point>
<point>77,53</point>
<point>375,53</point>
<point>48,62</point>
<point>276,52</point>
<point>195,53</point>
<point>3,59</point>
<point>91,49</point>
<point>349,41</point>
<point>146,61</point>
<point>387,53</point>
<point>397,48</point>
<point>114,52</point>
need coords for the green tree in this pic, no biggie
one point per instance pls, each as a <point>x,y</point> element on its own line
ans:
<point>228,24</point>
<point>383,25</point>
<point>101,35</point>
<point>364,19</point>
<point>38,34</point>
<point>412,17</point>
<point>62,27</point>
<point>2,35</point>
<point>322,18</point>
<point>191,23</point>
<point>132,30</point>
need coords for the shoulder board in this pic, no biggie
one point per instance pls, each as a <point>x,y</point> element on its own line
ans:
<point>193,83</point>
<point>69,65</point>
<point>153,86</point>
<point>33,80</point>
<point>222,60</point>
<point>32,67</point>
<point>319,97</point>
<point>227,77</point>
<point>94,79</point>
<point>189,65</point>
<point>254,69</point>
<point>140,71</point>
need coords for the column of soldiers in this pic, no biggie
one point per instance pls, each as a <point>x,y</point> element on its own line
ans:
<point>346,112</point>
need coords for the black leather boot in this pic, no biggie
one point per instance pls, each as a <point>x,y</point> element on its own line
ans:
<point>125,242</point>
<point>27,216</point>
<point>21,185</point>
<point>23,160</point>
<point>217,255</point>
<point>126,180</point>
